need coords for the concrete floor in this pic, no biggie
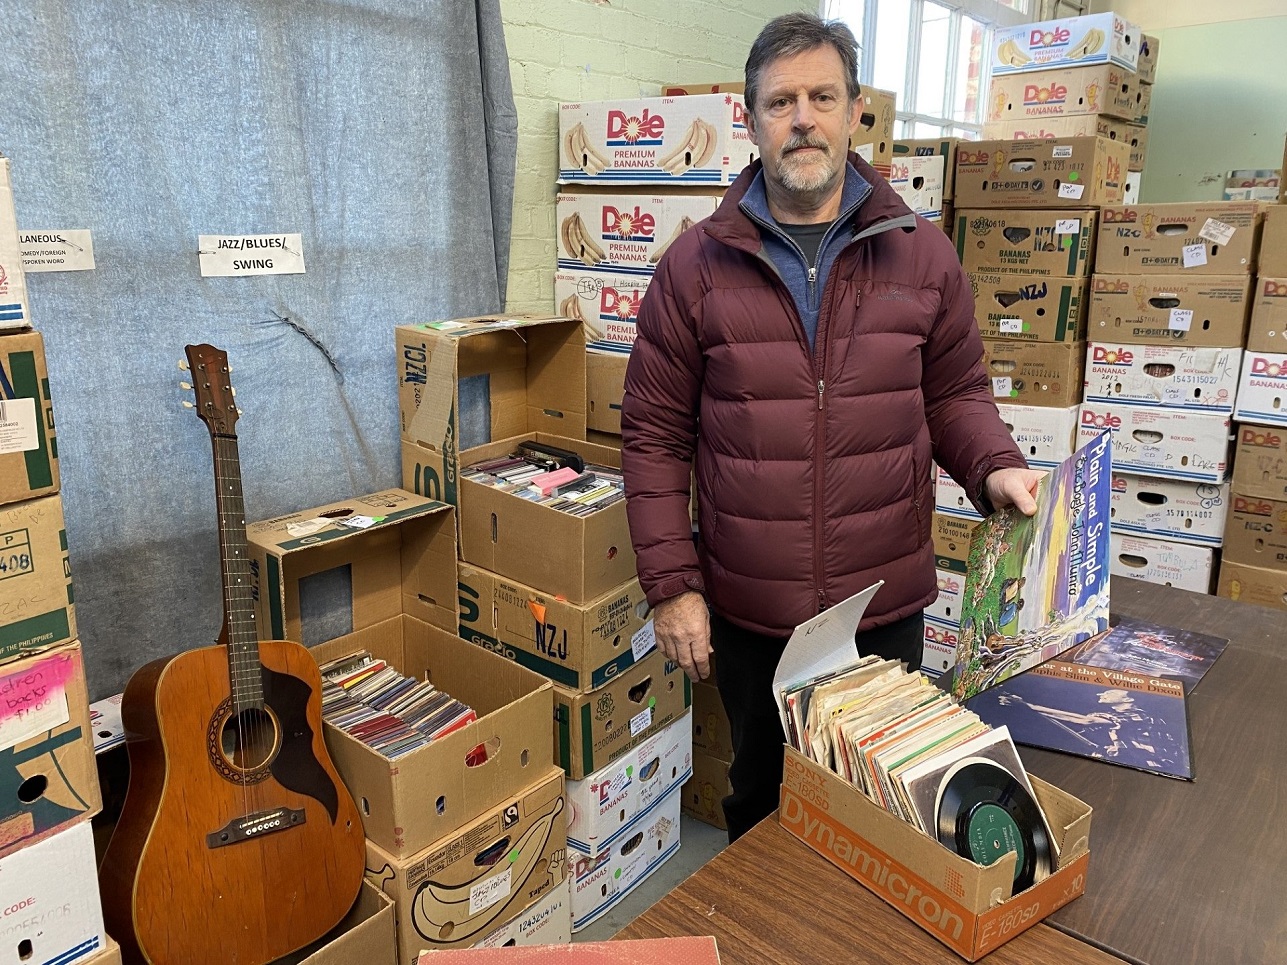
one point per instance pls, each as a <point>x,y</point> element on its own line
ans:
<point>698,843</point>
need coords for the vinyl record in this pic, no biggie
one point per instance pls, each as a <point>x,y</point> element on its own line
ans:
<point>984,813</point>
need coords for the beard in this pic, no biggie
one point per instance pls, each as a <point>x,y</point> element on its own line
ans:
<point>807,173</point>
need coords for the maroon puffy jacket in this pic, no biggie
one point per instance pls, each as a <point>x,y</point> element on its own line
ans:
<point>805,497</point>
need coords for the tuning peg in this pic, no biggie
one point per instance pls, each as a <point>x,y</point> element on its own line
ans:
<point>186,386</point>
<point>183,365</point>
<point>189,405</point>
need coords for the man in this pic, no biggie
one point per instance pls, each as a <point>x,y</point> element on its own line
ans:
<point>812,344</point>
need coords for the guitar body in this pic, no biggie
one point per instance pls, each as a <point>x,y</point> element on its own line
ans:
<point>237,843</point>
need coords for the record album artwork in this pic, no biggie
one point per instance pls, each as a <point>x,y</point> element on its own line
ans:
<point>1134,646</point>
<point>1037,585</point>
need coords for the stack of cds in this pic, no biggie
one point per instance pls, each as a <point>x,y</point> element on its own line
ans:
<point>576,489</point>
<point>393,714</point>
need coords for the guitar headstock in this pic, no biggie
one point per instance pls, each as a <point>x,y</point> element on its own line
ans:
<point>212,387</point>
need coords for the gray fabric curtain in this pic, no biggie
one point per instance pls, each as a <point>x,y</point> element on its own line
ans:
<point>382,130</point>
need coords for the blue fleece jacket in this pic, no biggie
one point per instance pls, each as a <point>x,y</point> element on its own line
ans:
<point>786,254</point>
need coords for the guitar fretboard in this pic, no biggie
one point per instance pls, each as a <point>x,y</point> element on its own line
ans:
<point>244,669</point>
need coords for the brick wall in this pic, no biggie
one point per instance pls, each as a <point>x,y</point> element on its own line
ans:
<point>580,50</point>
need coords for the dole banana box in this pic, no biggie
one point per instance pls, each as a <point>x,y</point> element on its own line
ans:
<point>952,536</point>
<point>1035,373</point>
<point>606,303</point>
<point>1191,238</point>
<point>1176,309</point>
<point>938,655</point>
<point>1256,532</point>
<point>1030,308</point>
<point>1068,172</point>
<point>548,922</point>
<point>15,313</point>
<point>950,498</point>
<point>1185,512</point>
<point>1172,443</point>
<point>944,147</point>
<point>1059,125</point>
<point>694,139</point>
<point>1102,38</point>
<point>1044,435</point>
<point>1161,561</point>
<point>623,233</point>
<point>1026,242</point>
<point>946,608</point>
<point>1260,462</point>
<point>1262,390</point>
<point>1088,91</point>
<point>1131,190</point>
<point>1161,376</point>
<point>1146,64</point>
<point>918,180</point>
<point>1268,315</point>
<point>1253,584</point>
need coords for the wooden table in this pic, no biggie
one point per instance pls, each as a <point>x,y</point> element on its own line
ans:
<point>1193,872</point>
<point>769,900</point>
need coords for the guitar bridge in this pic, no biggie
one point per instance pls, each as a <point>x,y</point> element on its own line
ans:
<point>255,826</point>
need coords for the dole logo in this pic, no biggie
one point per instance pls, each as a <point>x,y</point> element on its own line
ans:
<point>1119,484</point>
<point>1254,507</point>
<point>1266,439</point>
<point>1093,420</point>
<point>1120,215</point>
<point>1268,369</point>
<point>973,157</point>
<point>1050,38</point>
<point>949,585</point>
<point>627,129</point>
<point>944,638</point>
<point>899,171</point>
<point>739,114</point>
<point>619,306</point>
<point>1112,356</point>
<point>636,225</point>
<point>1275,288</point>
<point>1109,286</point>
<point>1036,94</point>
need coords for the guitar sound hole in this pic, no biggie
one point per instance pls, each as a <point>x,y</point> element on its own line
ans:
<point>249,739</point>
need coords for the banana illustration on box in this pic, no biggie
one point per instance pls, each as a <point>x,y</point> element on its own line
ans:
<point>578,243</point>
<point>683,226</point>
<point>441,913</point>
<point>577,147</point>
<point>693,151</point>
<point>1010,54</point>
<point>570,307</point>
<point>1088,45</point>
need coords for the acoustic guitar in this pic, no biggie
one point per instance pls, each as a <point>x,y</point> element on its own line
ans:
<point>237,842</point>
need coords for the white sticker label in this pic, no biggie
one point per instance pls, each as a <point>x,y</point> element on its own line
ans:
<point>62,250</point>
<point>1062,150</point>
<point>236,255</point>
<point>307,527</point>
<point>640,722</point>
<point>1072,189</point>
<point>1153,519</point>
<point>38,708</point>
<point>1217,232</point>
<point>1011,326</point>
<point>1154,455</point>
<point>485,893</point>
<point>1181,319</point>
<point>644,639</point>
<point>1067,226</point>
<point>358,522</point>
<point>615,787</point>
<point>18,425</point>
<point>1194,256</point>
<point>1172,394</point>
<point>1002,387</point>
<point>865,151</point>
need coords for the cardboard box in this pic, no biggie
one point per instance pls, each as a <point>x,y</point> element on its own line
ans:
<point>1171,443</point>
<point>951,592</point>
<point>944,147</point>
<point>1189,310</point>
<point>919,182</point>
<point>52,780</point>
<point>581,647</point>
<point>593,730</point>
<point>28,447</point>
<point>1131,192</point>
<point>1260,462</point>
<point>1256,532</point>
<point>703,797</point>
<point>1089,91</point>
<point>949,213</point>
<point>605,302</point>
<point>1268,315</point>
<point>1026,242</point>
<point>455,892</point>
<point>693,139</point>
<point>1251,584</point>
<point>723,87</point>
<point>938,655</point>
<point>1161,561</point>
<point>1030,308</point>
<point>1070,173</point>
<point>35,578</point>
<point>109,955</point>
<point>365,934</point>
<point>1139,239</point>
<point>409,803</point>
<point>1035,373</point>
<point>580,558</point>
<point>1146,64</point>
<point>952,542</point>
<point>623,232</point>
<point>464,383</point>
<point>395,551</point>
<point>1143,102</point>
<point>872,139</point>
<point>547,922</point>
<point>1273,242</point>
<point>605,385</point>
<point>15,313</point>
<point>51,891</point>
<point>600,882</point>
<point>1101,38</point>
<point>950,498</point>
<point>1204,379</point>
<point>954,897</point>
<point>606,802</point>
<point>1182,511</point>
<point>1045,436</point>
<point>648,951</point>
<point>1138,141</point>
<point>1066,125</point>
<point>712,732</point>
<point>1262,389</point>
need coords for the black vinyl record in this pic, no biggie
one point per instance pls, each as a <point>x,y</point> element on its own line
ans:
<point>984,813</point>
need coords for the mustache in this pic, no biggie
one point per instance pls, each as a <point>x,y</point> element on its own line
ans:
<point>805,140</point>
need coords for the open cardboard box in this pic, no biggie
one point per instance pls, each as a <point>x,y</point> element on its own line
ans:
<point>466,382</point>
<point>364,935</point>
<point>966,906</point>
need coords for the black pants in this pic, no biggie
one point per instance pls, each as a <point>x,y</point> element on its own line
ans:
<point>744,666</point>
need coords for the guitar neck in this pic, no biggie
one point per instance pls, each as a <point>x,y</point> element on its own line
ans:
<point>239,630</point>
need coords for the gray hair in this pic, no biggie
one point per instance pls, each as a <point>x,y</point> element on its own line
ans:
<point>797,33</point>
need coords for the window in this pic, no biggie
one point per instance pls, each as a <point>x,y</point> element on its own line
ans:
<point>932,53</point>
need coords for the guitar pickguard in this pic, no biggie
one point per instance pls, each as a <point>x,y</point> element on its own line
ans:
<point>295,766</point>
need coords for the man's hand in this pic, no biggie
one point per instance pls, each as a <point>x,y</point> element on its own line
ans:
<point>683,629</point>
<point>1013,487</point>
